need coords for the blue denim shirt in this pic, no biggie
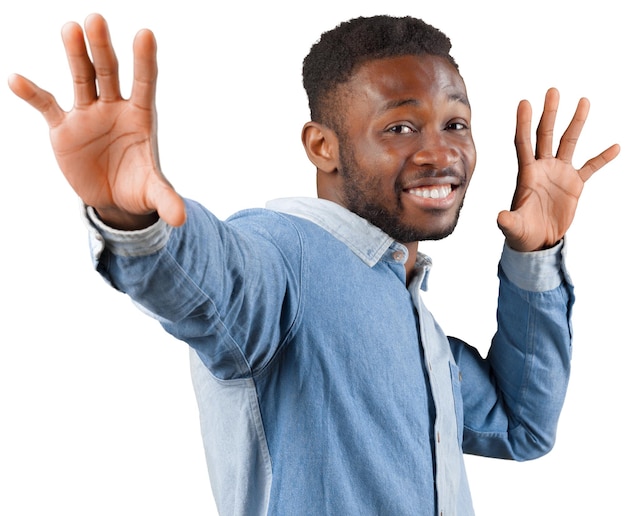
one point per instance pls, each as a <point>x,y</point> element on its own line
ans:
<point>325,386</point>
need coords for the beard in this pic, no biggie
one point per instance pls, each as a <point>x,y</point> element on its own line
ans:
<point>364,196</point>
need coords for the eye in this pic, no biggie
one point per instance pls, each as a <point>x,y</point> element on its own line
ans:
<point>456,126</point>
<point>401,129</point>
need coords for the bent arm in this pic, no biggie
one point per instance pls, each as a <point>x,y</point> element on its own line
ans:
<point>513,398</point>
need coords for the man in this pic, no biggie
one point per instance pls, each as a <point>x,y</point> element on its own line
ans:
<point>324,384</point>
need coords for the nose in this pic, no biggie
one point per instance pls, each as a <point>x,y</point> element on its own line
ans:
<point>436,151</point>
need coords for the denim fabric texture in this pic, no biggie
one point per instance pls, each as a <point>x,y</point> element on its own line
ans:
<point>324,385</point>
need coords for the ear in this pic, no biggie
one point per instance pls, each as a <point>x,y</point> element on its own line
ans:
<point>321,145</point>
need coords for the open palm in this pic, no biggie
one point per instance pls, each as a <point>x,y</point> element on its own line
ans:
<point>548,186</point>
<point>106,146</point>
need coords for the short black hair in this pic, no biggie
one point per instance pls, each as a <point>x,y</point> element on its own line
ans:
<point>339,52</point>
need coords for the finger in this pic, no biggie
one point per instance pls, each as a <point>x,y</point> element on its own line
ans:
<point>40,99</point>
<point>145,70</point>
<point>83,74</point>
<point>523,144</point>
<point>567,145</point>
<point>595,164</point>
<point>104,59</point>
<point>545,129</point>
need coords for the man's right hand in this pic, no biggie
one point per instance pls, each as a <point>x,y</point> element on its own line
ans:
<point>106,146</point>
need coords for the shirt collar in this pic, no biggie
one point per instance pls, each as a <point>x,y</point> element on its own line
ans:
<point>364,239</point>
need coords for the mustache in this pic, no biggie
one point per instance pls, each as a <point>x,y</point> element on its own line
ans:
<point>424,176</point>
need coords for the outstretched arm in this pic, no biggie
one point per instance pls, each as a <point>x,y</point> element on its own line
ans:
<point>548,186</point>
<point>106,146</point>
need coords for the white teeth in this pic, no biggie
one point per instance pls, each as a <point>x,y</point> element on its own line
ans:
<point>438,192</point>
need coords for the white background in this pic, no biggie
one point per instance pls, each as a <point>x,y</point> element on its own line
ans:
<point>97,411</point>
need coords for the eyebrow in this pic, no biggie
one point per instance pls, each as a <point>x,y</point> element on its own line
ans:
<point>453,97</point>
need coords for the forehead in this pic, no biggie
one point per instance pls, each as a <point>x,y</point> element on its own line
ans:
<point>421,79</point>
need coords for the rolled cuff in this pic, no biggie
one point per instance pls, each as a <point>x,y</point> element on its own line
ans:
<point>536,271</point>
<point>143,242</point>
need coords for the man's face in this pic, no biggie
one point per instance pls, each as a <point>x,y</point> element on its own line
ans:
<point>406,153</point>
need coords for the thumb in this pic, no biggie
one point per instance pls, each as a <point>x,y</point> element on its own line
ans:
<point>169,205</point>
<point>511,224</point>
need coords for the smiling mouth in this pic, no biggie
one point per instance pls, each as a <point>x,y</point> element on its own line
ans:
<point>431,192</point>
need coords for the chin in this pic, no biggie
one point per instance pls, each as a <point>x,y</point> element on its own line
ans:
<point>440,235</point>
<point>425,231</point>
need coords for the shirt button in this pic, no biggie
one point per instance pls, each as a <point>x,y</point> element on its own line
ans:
<point>398,256</point>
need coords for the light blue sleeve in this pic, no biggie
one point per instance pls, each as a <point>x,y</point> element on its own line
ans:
<point>225,288</point>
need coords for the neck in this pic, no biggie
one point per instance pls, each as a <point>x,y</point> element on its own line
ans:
<point>410,263</point>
